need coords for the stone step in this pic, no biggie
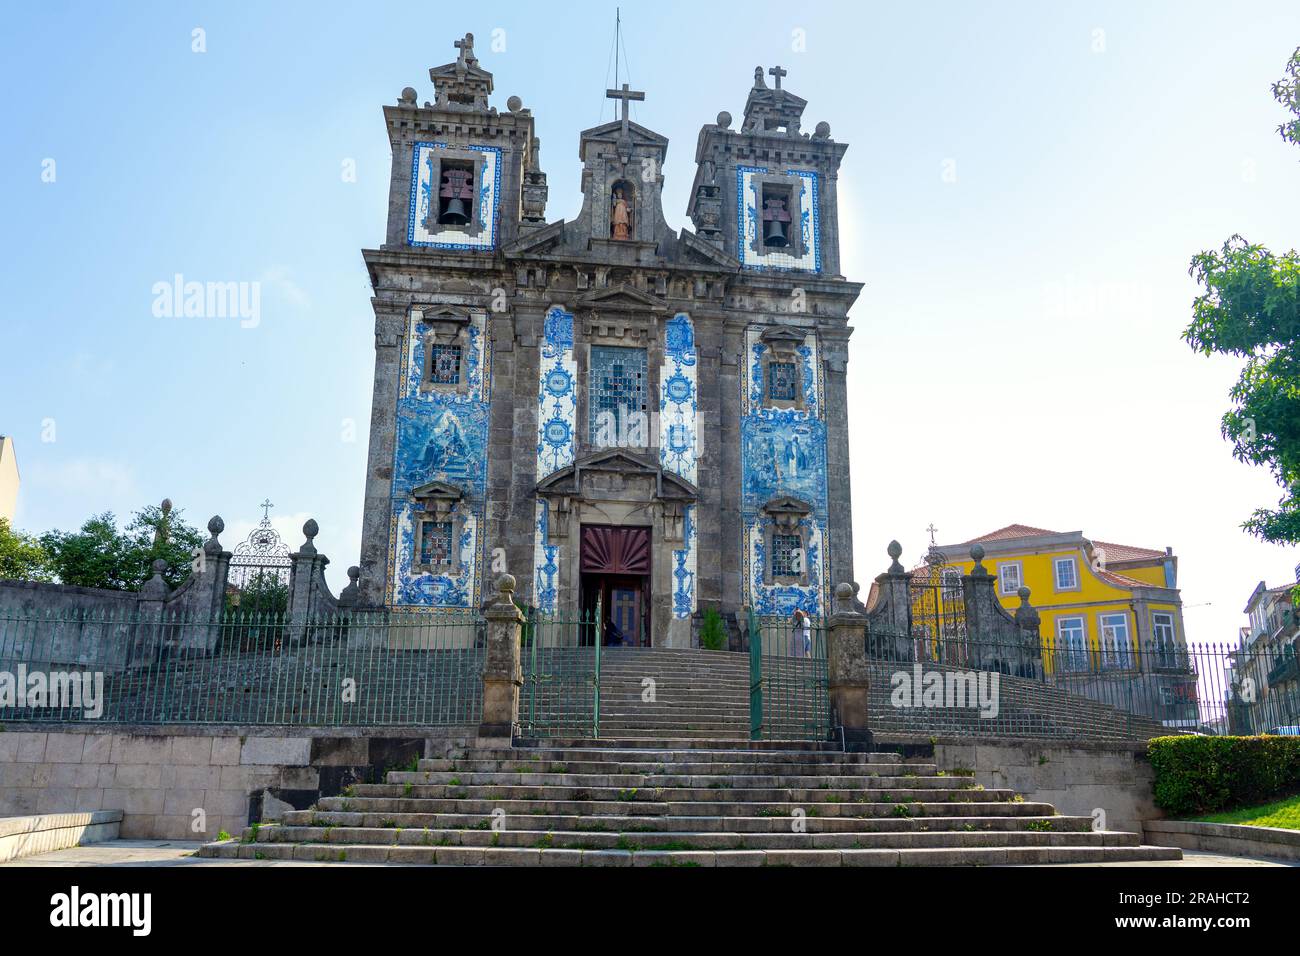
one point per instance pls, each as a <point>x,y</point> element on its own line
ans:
<point>716,841</point>
<point>512,856</point>
<point>666,752</point>
<point>418,813</point>
<point>711,769</point>
<point>364,798</point>
<point>320,825</point>
<point>700,781</point>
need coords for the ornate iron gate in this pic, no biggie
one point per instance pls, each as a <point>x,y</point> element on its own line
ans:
<point>938,613</point>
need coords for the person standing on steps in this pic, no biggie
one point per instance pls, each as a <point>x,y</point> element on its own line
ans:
<point>800,634</point>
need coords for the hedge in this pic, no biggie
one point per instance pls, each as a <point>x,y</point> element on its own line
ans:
<point>1204,774</point>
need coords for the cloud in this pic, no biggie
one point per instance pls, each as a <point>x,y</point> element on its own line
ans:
<point>96,479</point>
<point>277,278</point>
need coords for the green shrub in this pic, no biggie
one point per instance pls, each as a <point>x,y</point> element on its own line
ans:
<point>1203,774</point>
<point>713,636</point>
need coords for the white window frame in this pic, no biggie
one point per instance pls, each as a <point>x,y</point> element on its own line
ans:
<point>1070,657</point>
<point>1074,573</point>
<point>1112,655</point>
<point>1165,650</point>
<point>1002,578</point>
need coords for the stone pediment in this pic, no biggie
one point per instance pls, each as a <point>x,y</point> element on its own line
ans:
<point>535,240</point>
<point>438,490</point>
<point>622,297</point>
<point>783,335</point>
<point>707,252</point>
<point>787,505</point>
<point>613,131</point>
<point>442,313</point>
<point>589,477</point>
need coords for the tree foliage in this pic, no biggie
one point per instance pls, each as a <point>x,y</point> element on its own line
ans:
<point>101,556</point>
<point>21,556</point>
<point>1250,308</point>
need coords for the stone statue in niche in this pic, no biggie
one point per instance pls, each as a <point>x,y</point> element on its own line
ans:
<point>620,216</point>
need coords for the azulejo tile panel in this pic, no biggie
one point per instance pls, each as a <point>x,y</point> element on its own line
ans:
<point>557,417</point>
<point>424,195</point>
<point>749,225</point>
<point>684,561</point>
<point>678,400</point>
<point>441,436</point>
<point>783,452</point>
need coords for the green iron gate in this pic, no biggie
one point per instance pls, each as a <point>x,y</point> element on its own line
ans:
<point>788,689</point>
<point>561,665</point>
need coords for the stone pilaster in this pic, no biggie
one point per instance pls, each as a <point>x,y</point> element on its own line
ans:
<point>502,673</point>
<point>306,579</point>
<point>847,673</point>
<point>890,621</point>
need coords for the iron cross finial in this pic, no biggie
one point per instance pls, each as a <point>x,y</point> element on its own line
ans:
<point>933,530</point>
<point>266,507</point>
<point>778,72</point>
<point>626,96</point>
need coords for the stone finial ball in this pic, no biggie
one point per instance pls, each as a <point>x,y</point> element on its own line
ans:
<point>354,572</point>
<point>408,94</point>
<point>310,528</point>
<point>159,566</point>
<point>506,583</point>
<point>724,119</point>
<point>166,505</point>
<point>216,525</point>
<point>977,552</point>
<point>823,129</point>
<point>514,104</point>
<point>895,550</point>
<point>1023,593</point>
<point>844,591</point>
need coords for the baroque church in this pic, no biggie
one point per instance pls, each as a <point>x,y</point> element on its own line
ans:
<point>623,416</point>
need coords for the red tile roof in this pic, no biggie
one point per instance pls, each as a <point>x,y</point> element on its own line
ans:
<point>1126,552</point>
<point>1010,531</point>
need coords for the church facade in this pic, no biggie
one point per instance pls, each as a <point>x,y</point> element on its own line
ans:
<point>623,416</point>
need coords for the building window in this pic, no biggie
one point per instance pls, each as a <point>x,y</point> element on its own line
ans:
<point>617,398</point>
<point>444,364</point>
<point>787,556</point>
<point>1116,645</point>
<point>1162,626</point>
<point>1071,644</point>
<point>1067,574</point>
<point>1009,575</point>
<point>782,381</point>
<point>435,544</point>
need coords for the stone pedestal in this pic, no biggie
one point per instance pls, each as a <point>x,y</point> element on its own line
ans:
<point>848,678</point>
<point>502,673</point>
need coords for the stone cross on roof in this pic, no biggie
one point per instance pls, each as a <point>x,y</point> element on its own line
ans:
<point>626,96</point>
<point>778,72</point>
<point>466,48</point>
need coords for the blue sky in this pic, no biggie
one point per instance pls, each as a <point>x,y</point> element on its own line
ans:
<point>1016,355</point>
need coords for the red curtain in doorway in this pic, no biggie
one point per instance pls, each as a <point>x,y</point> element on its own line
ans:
<point>608,550</point>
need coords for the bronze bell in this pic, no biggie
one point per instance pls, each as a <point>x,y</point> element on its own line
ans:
<point>775,217</point>
<point>774,234</point>
<point>455,189</point>
<point>455,213</point>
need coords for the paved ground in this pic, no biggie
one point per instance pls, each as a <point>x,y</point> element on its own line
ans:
<point>180,853</point>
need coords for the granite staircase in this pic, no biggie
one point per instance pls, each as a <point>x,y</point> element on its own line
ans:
<point>695,802</point>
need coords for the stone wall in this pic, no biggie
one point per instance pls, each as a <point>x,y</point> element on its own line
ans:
<point>159,777</point>
<point>1077,778</point>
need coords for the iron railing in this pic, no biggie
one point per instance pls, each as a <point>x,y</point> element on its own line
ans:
<point>788,691</point>
<point>561,671</point>
<point>383,667</point>
<point>1126,688</point>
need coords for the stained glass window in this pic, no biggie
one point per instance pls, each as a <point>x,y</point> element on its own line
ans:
<point>617,397</point>
<point>435,543</point>
<point>787,555</point>
<point>444,364</point>
<point>782,381</point>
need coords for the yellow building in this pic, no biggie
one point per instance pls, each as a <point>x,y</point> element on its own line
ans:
<point>8,479</point>
<point>1102,605</point>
